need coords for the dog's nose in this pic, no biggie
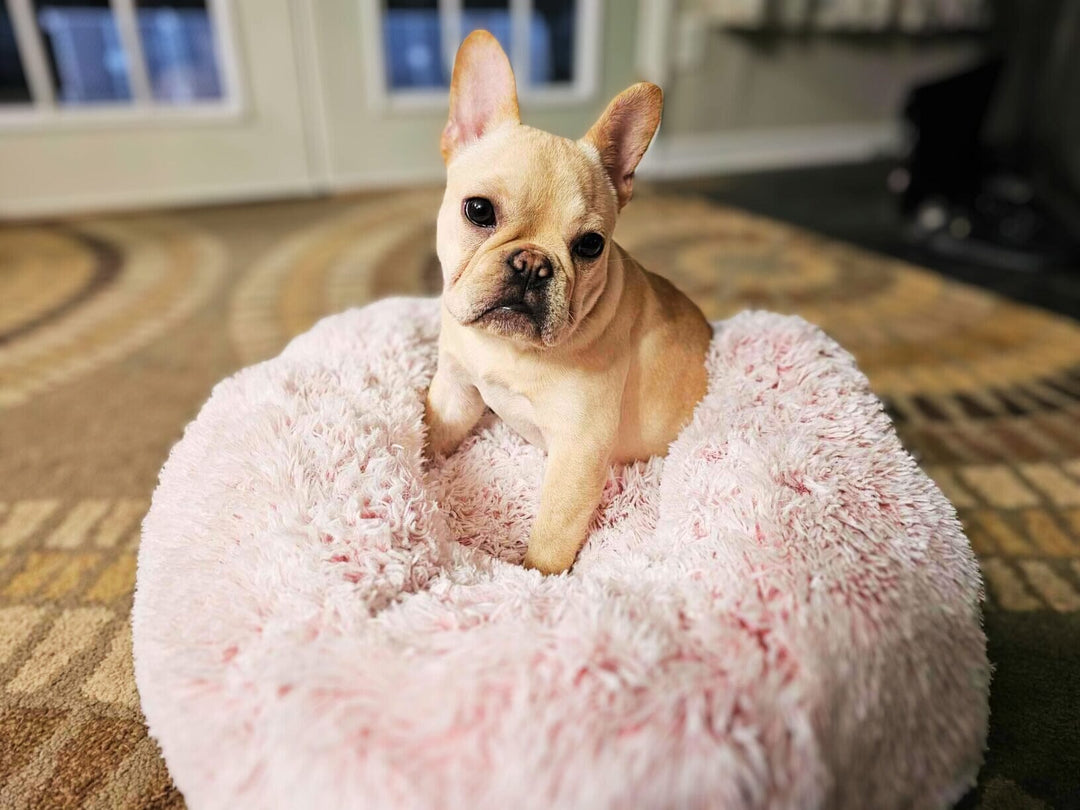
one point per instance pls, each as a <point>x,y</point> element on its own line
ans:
<point>532,265</point>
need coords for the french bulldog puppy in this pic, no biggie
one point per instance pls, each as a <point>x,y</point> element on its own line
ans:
<point>545,319</point>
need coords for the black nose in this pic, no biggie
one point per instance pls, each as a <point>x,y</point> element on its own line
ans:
<point>532,266</point>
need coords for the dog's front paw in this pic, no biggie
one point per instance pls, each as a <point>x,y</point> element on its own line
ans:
<point>439,441</point>
<point>547,560</point>
<point>431,452</point>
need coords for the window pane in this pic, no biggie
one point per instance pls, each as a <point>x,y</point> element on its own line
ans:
<point>552,42</point>
<point>412,42</point>
<point>84,49</point>
<point>178,45</point>
<point>493,15</point>
<point>13,86</point>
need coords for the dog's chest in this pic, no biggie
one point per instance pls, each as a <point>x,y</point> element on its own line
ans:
<point>512,407</point>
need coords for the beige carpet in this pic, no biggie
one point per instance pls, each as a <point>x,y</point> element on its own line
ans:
<point>113,330</point>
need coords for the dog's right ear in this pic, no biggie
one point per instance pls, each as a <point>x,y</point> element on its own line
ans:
<point>482,92</point>
<point>624,132</point>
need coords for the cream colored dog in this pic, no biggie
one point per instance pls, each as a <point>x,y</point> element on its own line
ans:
<point>544,319</point>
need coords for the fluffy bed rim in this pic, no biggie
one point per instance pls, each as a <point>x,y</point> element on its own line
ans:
<point>782,613</point>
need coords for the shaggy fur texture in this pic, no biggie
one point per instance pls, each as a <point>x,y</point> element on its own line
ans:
<point>782,613</point>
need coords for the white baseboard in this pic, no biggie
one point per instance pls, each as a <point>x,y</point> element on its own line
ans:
<point>680,157</point>
<point>424,173</point>
<point>677,157</point>
<point>23,208</point>
<point>111,201</point>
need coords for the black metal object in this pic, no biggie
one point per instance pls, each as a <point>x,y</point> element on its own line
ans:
<point>984,177</point>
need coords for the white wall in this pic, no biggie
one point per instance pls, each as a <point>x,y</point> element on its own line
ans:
<point>743,82</point>
<point>738,101</point>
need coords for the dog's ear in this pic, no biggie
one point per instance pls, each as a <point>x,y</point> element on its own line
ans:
<point>482,92</point>
<point>623,133</point>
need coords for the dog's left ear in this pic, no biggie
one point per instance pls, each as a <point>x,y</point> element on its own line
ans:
<point>623,133</point>
<point>483,94</point>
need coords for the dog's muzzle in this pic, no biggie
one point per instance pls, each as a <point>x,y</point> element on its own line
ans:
<point>523,289</point>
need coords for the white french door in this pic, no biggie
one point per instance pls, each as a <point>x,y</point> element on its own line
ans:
<point>384,68</point>
<point>129,103</point>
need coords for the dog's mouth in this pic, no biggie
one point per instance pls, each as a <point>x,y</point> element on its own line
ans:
<point>510,316</point>
<point>518,307</point>
<point>509,319</point>
<point>507,305</point>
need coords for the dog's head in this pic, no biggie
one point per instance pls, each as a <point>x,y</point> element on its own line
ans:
<point>525,226</point>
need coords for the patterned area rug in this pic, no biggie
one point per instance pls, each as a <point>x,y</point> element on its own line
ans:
<point>114,329</point>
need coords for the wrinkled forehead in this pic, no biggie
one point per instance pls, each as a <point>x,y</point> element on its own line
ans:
<point>536,173</point>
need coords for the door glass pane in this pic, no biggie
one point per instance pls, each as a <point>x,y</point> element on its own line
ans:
<point>178,45</point>
<point>551,41</point>
<point>83,45</point>
<point>412,42</point>
<point>13,86</point>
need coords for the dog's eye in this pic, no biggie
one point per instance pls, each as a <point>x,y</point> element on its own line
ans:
<point>480,211</point>
<point>589,246</point>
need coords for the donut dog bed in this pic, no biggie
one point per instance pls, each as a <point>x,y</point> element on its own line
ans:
<point>783,612</point>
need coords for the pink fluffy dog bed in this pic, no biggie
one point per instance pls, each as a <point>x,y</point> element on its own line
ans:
<point>782,613</point>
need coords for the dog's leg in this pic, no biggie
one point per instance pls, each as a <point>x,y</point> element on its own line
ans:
<point>453,408</point>
<point>573,482</point>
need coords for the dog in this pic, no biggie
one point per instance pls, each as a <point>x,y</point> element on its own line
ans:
<point>544,319</point>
